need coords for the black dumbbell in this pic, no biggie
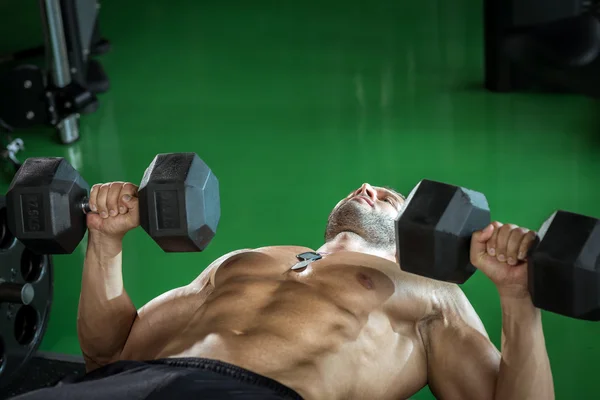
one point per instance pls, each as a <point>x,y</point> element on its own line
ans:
<point>433,235</point>
<point>179,204</point>
<point>564,268</point>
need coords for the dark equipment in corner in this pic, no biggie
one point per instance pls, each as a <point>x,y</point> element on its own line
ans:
<point>64,85</point>
<point>544,45</point>
<point>9,148</point>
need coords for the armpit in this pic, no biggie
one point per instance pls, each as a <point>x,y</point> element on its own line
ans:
<point>458,306</point>
<point>451,313</point>
<point>449,307</point>
<point>433,321</point>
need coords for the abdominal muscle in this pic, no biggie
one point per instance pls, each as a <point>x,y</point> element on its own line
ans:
<point>327,331</point>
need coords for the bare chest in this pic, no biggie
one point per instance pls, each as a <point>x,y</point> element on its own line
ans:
<point>346,322</point>
<point>353,281</point>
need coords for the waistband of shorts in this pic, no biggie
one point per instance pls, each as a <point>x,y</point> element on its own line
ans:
<point>230,370</point>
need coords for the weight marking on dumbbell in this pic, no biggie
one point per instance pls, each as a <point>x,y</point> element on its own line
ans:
<point>32,205</point>
<point>168,210</point>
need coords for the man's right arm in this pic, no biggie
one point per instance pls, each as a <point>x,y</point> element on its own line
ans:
<point>106,313</point>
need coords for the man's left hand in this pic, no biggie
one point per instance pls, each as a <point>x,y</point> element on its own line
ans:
<point>500,252</point>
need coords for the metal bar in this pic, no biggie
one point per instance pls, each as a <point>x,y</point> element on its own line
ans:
<point>17,293</point>
<point>61,73</point>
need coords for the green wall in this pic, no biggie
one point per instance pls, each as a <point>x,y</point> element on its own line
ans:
<point>293,104</point>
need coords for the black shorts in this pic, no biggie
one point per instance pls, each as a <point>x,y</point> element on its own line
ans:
<point>172,378</point>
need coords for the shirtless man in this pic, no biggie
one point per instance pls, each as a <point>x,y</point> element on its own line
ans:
<point>260,323</point>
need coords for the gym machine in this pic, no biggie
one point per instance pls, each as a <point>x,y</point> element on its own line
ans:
<point>9,148</point>
<point>548,46</point>
<point>57,93</point>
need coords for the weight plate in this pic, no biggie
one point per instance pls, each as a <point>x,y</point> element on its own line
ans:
<point>22,327</point>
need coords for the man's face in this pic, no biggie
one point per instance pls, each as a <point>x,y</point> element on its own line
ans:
<point>370,212</point>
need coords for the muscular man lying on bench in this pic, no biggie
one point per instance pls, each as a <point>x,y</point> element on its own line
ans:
<point>339,322</point>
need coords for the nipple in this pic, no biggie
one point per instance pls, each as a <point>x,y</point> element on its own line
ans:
<point>364,280</point>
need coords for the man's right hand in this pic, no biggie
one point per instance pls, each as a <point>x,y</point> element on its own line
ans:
<point>115,209</point>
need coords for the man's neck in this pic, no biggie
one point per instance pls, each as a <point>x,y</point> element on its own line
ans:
<point>349,241</point>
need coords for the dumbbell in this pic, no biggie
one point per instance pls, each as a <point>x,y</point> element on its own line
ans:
<point>433,236</point>
<point>179,204</point>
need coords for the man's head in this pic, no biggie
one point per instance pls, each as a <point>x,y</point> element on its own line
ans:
<point>369,212</point>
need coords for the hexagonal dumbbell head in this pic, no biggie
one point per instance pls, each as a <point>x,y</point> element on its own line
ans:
<point>434,229</point>
<point>44,205</point>
<point>564,268</point>
<point>179,202</point>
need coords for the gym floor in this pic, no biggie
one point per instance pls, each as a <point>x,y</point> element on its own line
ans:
<point>294,104</point>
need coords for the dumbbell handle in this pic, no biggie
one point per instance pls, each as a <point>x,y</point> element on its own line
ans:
<point>17,293</point>
<point>85,206</point>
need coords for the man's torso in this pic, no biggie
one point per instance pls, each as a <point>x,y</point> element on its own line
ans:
<point>344,327</point>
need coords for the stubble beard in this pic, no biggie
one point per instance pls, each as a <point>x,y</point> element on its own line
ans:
<point>375,228</point>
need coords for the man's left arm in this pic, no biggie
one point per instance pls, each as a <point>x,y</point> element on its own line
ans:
<point>525,368</point>
<point>463,363</point>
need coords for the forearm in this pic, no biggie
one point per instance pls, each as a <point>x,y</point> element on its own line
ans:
<point>106,313</point>
<point>525,368</point>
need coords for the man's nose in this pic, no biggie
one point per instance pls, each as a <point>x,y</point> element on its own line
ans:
<point>367,190</point>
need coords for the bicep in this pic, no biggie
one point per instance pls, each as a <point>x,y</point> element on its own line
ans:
<point>462,361</point>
